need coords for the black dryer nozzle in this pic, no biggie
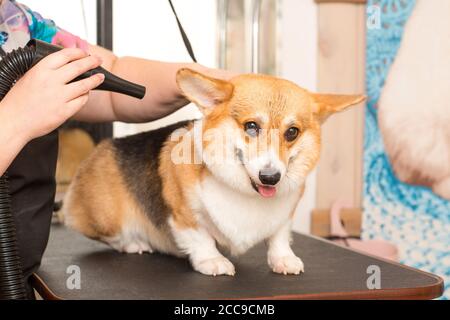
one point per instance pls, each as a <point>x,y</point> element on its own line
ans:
<point>111,83</point>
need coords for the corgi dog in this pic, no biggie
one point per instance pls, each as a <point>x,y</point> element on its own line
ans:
<point>221,183</point>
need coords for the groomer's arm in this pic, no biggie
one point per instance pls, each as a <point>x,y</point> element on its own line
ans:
<point>163,96</point>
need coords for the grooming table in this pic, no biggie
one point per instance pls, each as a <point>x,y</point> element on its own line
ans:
<point>331,272</point>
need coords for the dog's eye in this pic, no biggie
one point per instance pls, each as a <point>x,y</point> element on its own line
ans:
<point>251,128</point>
<point>291,134</point>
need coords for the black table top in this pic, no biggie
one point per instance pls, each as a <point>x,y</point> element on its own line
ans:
<point>331,272</point>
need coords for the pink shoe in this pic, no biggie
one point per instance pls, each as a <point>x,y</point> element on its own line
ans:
<point>339,235</point>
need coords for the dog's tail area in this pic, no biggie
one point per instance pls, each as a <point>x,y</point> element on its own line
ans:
<point>57,206</point>
<point>58,212</point>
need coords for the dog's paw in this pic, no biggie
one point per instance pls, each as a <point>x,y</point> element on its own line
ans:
<point>137,247</point>
<point>215,266</point>
<point>286,265</point>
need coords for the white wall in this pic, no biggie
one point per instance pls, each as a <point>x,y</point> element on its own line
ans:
<point>297,61</point>
<point>148,29</point>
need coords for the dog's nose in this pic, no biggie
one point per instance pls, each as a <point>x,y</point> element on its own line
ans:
<point>269,177</point>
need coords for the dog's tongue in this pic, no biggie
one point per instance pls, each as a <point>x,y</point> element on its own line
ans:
<point>267,191</point>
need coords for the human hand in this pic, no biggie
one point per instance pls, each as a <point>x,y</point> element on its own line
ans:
<point>43,98</point>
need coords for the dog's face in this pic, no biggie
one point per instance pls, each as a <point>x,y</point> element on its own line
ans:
<point>260,134</point>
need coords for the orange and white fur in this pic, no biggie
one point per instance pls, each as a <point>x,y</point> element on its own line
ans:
<point>414,107</point>
<point>135,194</point>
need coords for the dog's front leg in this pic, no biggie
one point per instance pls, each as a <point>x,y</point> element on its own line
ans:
<point>201,248</point>
<point>280,256</point>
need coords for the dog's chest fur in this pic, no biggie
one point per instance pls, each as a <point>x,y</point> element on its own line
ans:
<point>238,221</point>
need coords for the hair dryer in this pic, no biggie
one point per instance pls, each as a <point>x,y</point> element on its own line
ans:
<point>15,64</point>
<point>12,67</point>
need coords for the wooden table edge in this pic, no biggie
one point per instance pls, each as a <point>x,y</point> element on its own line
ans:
<point>417,293</point>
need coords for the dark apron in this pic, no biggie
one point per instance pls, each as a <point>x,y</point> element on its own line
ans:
<point>32,186</point>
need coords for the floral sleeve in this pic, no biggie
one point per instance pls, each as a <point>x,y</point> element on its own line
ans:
<point>46,30</point>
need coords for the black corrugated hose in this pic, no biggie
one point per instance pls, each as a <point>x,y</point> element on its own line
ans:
<point>12,284</point>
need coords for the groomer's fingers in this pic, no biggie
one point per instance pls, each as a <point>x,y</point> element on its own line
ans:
<point>60,58</point>
<point>81,87</point>
<point>75,105</point>
<point>75,68</point>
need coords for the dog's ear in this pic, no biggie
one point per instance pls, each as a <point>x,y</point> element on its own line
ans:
<point>326,104</point>
<point>204,91</point>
